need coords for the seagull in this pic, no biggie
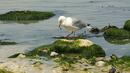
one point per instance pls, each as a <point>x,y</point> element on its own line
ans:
<point>71,24</point>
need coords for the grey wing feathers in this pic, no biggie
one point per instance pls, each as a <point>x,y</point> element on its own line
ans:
<point>79,24</point>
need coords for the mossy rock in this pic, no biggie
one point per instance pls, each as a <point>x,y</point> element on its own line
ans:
<point>25,16</point>
<point>69,47</point>
<point>117,41</point>
<point>5,71</point>
<point>7,43</point>
<point>127,25</point>
<point>122,63</point>
<point>21,55</point>
<point>108,27</point>
<point>118,34</point>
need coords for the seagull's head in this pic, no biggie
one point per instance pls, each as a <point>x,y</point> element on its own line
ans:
<point>61,19</point>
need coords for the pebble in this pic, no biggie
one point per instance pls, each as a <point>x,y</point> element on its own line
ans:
<point>100,63</point>
<point>53,54</point>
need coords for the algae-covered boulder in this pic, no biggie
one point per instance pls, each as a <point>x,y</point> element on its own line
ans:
<point>108,27</point>
<point>68,53</point>
<point>117,36</point>
<point>25,16</point>
<point>117,41</point>
<point>127,25</point>
<point>115,33</point>
<point>81,47</point>
<point>2,42</point>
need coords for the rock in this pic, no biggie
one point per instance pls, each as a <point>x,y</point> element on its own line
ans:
<point>107,59</point>
<point>2,42</point>
<point>127,25</point>
<point>85,42</point>
<point>103,59</point>
<point>82,42</point>
<point>112,70</point>
<point>108,27</point>
<point>18,55</point>
<point>117,36</point>
<point>54,54</point>
<point>114,57</point>
<point>100,63</point>
<point>104,70</point>
<point>38,65</point>
<point>100,58</point>
<point>21,56</point>
<point>4,71</point>
<point>57,70</point>
<point>95,30</point>
<point>83,47</point>
<point>44,50</point>
<point>25,17</point>
<point>12,66</point>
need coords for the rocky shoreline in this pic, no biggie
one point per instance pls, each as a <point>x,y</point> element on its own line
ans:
<point>68,55</point>
<point>65,61</point>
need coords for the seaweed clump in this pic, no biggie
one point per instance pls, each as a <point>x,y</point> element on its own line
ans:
<point>25,16</point>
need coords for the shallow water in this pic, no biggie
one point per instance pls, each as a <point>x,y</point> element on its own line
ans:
<point>96,12</point>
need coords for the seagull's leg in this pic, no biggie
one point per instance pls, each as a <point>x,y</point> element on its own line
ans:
<point>85,33</point>
<point>74,34</point>
<point>70,34</point>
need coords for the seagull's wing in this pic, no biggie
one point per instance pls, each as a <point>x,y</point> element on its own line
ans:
<point>78,23</point>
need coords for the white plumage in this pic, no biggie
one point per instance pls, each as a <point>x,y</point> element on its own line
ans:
<point>71,24</point>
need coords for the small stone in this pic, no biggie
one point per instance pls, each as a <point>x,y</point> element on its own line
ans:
<point>112,70</point>
<point>21,56</point>
<point>45,50</point>
<point>107,59</point>
<point>62,55</point>
<point>99,58</point>
<point>85,69</point>
<point>104,70</point>
<point>100,63</point>
<point>54,54</point>
<point>90,67</point>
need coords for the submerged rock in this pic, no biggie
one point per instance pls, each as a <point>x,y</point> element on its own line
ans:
<point>108,27</point>
<point>25,17</point>
<point>117,36</point>
<point>7,42</point>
